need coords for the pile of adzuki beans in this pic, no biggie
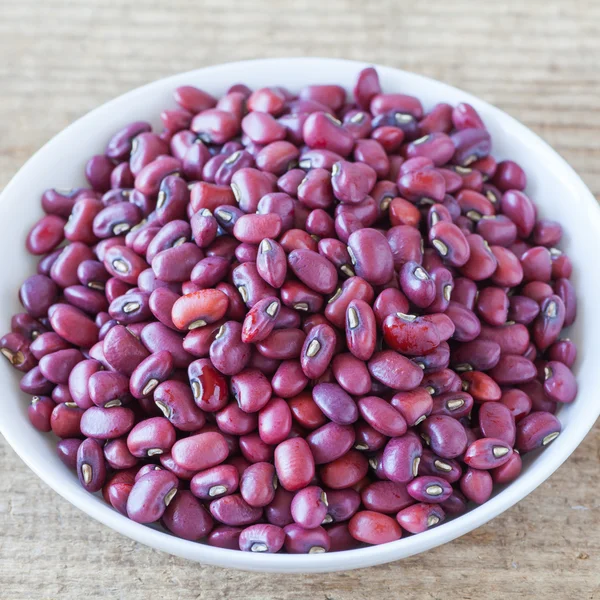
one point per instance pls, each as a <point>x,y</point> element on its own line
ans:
<point>296,322</point>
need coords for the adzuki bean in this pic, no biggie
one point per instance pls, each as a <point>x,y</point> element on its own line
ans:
<point>296,323</point>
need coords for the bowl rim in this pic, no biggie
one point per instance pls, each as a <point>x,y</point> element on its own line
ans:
<point>344,560</point>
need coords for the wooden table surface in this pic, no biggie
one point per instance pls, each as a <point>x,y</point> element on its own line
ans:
<point>536,59</point>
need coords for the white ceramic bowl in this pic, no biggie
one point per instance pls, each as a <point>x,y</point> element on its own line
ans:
<point>554,186</point>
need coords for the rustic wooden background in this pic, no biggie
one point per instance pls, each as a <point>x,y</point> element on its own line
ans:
<point>538,60</point>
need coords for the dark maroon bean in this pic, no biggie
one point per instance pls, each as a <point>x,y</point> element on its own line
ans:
<point>330,442</point>
<point>406,245</point>
<point>465,292</point>
<point>566,292</point>
<point>151,495</point>
<point>228,352</point>
<point>548,324</point>
<point>513,370</point>
<point>186,517</point>
<point>46,262</point>
<point>37,294</point>
<point>444,435</point>
<point>119,146</point>
<point>305,541</point>
<point>33,382</point>
<point>522,309</point>
<point>91,467</point>
<point>509,176</point>
<point>452,404</point>
<point>487,453</point>
<point>67,451</point>
<point>563,350</point>
<point>467,325</point>
<point>401,458</point>
<point>478,355</point>
<point>445,468</point>
<point>262,538</point>
<point>225,537</point>
<point>122,350</point>
<point>46,343</point>
<point>417,284</point>
<point>65,421</point>
<point>40,412</point>
<point>559,382</point>
<point>371,256</point>
<point>335,403</point>
<point>428,488</point>
<point>317,350</point>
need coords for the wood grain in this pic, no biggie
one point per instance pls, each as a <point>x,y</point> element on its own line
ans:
<point>538,60</point>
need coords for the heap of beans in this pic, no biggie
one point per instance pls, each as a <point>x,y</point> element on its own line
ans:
<point>293,322</point>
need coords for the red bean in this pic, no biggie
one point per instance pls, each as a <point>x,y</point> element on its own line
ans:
<point>395,371</point>
<point>345,471</point>
<point>374,528</point>
<point>168,297</point>
<point>294,464</point>
<point>476,485</point>
<point>420,517</point>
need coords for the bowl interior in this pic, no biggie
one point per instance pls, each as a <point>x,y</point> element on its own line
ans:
<point>552,184</point>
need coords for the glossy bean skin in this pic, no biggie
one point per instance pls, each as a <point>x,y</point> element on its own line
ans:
<point>289,379</point>
<point>351,374</point>
<point>317,350</point>
<point>257,484</point>
<point>91,467</point>
<point>251,389</point>
<point>447,437</point>
<point>294,464</point>
<point>559,382</point>
<point>536,430</point>
<point>401,458</point>
<point>200,451</point>
<point>150,496</point>
<point>374,528</point>
<point>345,471</point>
<point>476,485</point>
<point>305,541</point>
<point>335,403</point>
<point>361,334</point>
<point>330,442</point>
<point>420,517</point>
<point>395,371</point>
<point>410,335</point>
<point>487,453</point>
<point>153,436</point>
<point>274,421</point>
<point>371,256</point>
<point>176,401</point>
